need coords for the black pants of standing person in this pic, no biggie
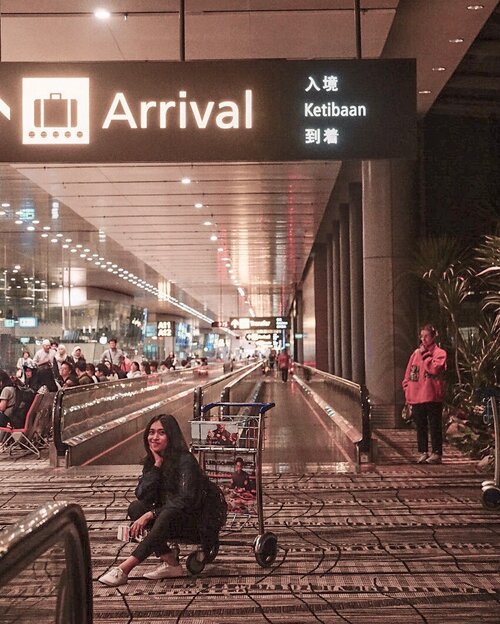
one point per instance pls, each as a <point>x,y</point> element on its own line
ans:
<point>284,374</point>
<point>428,417</point>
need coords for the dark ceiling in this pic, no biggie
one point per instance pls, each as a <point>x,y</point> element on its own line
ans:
<point>474,88</point>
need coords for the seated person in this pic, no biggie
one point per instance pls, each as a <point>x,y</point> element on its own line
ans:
<point>170,496</point>
<point>240,480</point>
<point>221,436</point>
<point>67,377</point>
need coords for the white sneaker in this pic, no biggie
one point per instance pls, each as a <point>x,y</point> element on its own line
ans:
<point>164,570</point>
<point>114,578</point>
<point>435,458</point>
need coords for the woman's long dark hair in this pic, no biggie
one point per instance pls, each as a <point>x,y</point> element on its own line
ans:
<point>176,444</point>
<point>5,379</point>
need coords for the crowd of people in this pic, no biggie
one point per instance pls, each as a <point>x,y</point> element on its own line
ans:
<point>52,367</point>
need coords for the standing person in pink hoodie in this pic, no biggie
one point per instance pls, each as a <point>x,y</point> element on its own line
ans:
<point>424,391</point>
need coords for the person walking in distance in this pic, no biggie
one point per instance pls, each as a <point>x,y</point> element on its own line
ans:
<point>284,364</point>
<point>424,391</point>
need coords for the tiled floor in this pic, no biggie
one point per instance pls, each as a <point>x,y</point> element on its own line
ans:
<point>395,543</point>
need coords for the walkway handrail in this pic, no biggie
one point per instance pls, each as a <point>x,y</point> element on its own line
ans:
<point>53,524</point>
<point>82,412</point>
<point>347,397</point>
<point>201,391</point>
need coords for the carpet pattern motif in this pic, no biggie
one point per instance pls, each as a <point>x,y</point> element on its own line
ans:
<point>398,543</point>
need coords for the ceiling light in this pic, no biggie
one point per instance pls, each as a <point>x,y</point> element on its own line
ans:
<point>30,228</point>
<point>18,222</point>
<point>17,267</point>
<point>64,246</point>
<point>83,255</point>
<point>46,236</point>
<point>475,7</point>
<point>73,251</point>
<point>198,205</point>
<point>214,237</point>
<point>86,250</point>
<point>424,91</point>
<point>68,240</point>
<point>207,223</point>
<point>46,227</point>
<point>5,205</point>
<point>35,222</point>
<point>2,213</point>
<point>186,180</point>
<point>439,69</point>
<point>54,240</point>
<point>59,235</point>
<point>457,40</point>
<point>78,246</point>
<point>102,14</point>
<point>220,249</point>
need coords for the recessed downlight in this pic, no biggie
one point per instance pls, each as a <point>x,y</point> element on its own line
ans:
<point>198,205</point>
<point>186,180</point>
<point>439,68</point>
<point>102,14</point>
<point>456,40</point>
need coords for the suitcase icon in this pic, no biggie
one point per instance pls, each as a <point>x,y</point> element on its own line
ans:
<point>55,112</point>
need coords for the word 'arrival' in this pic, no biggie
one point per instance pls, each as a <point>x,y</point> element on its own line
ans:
<point>175,112</point>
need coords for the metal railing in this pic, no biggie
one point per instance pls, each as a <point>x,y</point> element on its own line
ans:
<point>89,419</point>
<point>220,389</point>
<point>347,403</point>
<point>50,549</point>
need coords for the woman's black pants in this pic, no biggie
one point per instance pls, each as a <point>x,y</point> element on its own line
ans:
<point>428,418</point>
<point>169,525</point>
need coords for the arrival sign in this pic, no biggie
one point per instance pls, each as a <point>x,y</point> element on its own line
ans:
<point>202,111</point>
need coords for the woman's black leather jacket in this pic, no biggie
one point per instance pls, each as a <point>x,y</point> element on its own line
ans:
<point>181,494</point>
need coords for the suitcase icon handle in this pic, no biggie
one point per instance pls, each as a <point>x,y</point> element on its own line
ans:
<point>55,96</point>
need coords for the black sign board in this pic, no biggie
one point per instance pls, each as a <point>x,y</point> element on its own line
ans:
<point>204,111</point>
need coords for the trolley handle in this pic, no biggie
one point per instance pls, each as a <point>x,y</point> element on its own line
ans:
<point>263,407</point>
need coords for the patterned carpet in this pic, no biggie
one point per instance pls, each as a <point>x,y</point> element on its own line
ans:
<point>395,543</point>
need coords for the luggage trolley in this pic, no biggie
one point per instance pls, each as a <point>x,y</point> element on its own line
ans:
<point>490,493</point>
<point>218,443</point>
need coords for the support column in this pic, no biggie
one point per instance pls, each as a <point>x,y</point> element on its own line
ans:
<point>329,304</point>
<point>345,292</point>
<point>389,296</point>
<point>356,269</point>
<point>321,306</point>
<point>337,345</point>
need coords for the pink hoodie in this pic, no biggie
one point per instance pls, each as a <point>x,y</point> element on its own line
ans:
<point>422,382</point>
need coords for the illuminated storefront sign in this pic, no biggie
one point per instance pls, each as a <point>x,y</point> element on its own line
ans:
<point>165,329</point>
<point>207,111</point>
<point>28,321</point>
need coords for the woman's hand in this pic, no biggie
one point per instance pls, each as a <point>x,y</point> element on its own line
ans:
<point>157,457</point>
<point>137,528</point>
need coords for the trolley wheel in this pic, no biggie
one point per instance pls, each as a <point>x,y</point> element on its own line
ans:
<point>212,552</point>
<point>195,563</point>
<point>266,549</point>
<point>491,497</point>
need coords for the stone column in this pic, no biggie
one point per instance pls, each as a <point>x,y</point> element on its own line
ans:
<point>389,297</point>
<point>321,306</point>
<point>329,304</point>
<point>345,292</point>
<point>356,269</point>
<point>335,329</point>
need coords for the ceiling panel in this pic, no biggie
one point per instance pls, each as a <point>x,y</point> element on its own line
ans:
<point>265,215</point>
